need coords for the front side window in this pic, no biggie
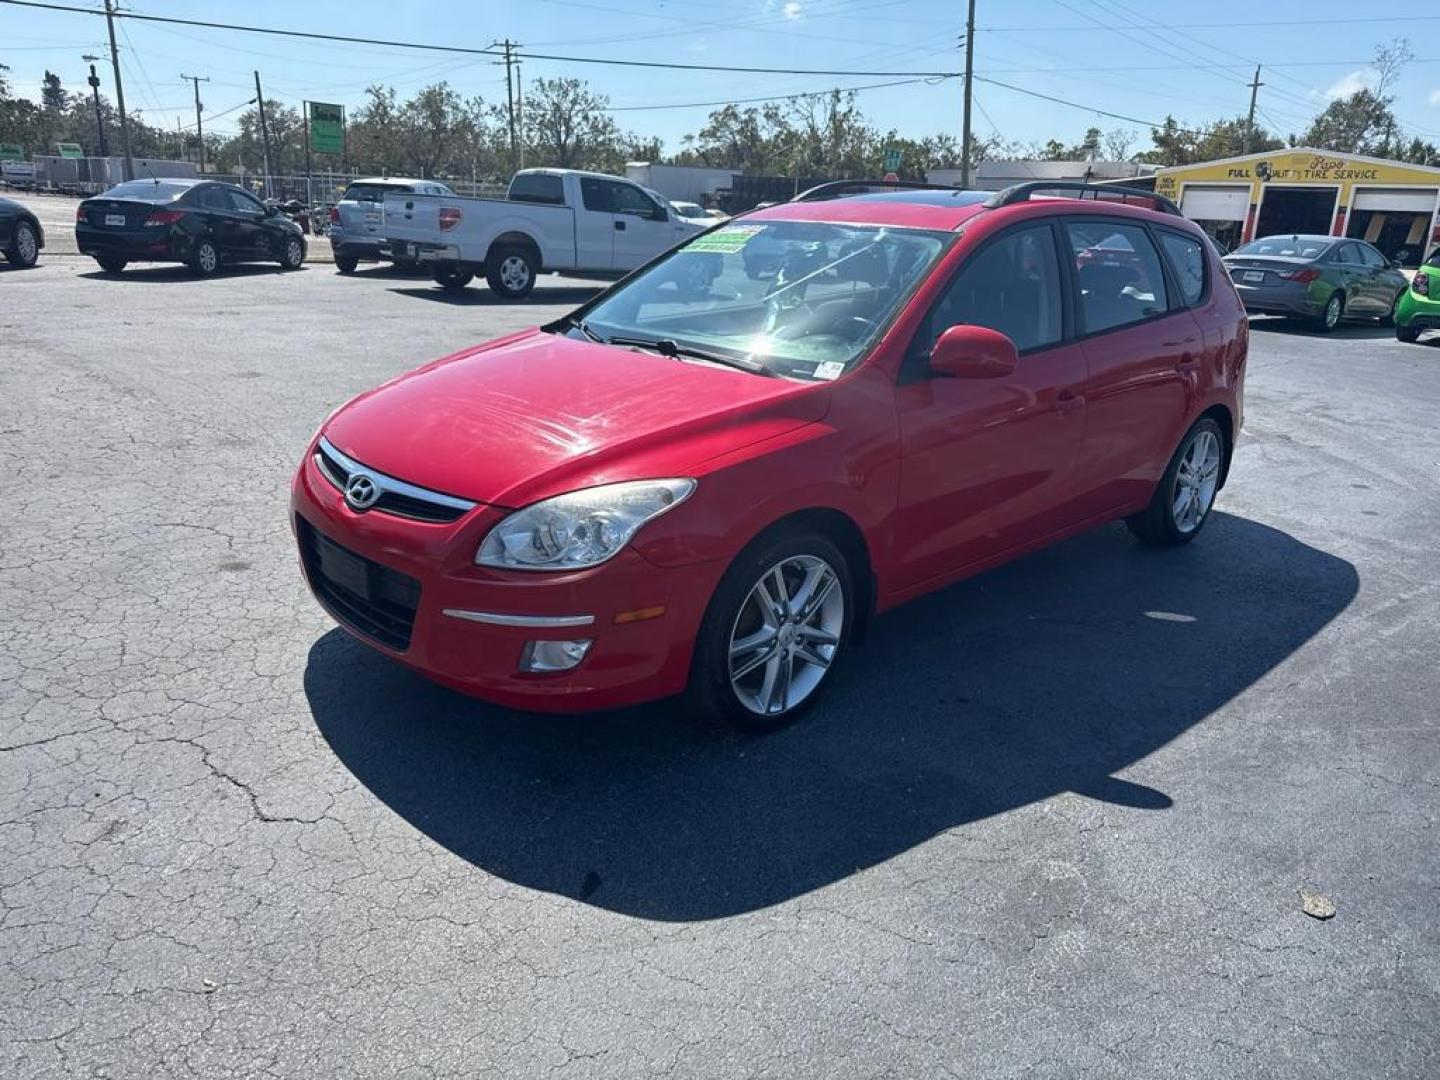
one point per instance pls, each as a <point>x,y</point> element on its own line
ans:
<point>1187,260</point>
<point>242,202</point>
<point>803,299</point>
<point>1118,271</point>
<point>631,200</point>
<point>1011,285</point>
<point>1370,256</point>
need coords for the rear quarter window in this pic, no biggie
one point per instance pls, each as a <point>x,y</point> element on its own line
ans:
<point>538,188</point>
<point>1187,261</point>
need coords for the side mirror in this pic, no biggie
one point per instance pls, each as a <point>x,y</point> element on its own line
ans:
<point>1398,262</point>
<point>973,352</point>
<point>271,209</point>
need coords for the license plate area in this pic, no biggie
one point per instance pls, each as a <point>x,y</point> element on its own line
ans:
<point>1253,275</point>
<point>115,219</point>
<point>342,568</point>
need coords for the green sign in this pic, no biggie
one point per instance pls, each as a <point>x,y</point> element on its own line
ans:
<point>327,128</point>
<point>11,152</point>
<point>892,160</point>
<point>70,149</point>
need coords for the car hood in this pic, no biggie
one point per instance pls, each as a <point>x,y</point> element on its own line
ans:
<point>539,414</point>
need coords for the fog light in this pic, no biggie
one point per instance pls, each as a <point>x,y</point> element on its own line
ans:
<point>544,657</point>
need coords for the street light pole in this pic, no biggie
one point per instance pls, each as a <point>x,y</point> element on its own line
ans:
<point>94,82</point>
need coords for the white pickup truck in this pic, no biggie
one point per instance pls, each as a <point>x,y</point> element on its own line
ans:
<point>580,223</point>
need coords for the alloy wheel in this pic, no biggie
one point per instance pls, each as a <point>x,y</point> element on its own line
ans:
<point>1196,481</point>
<point>25,245</point>
<point>786,635</point>
<point>294,256</point>
<point>1332,312</point>
<point>514,273</point>
<point>207,258</point>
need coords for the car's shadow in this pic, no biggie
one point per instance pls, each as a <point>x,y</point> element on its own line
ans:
<point>480,296</point>
<point>169,273</point>
<point>1278,324</point>
<point>1047,676</point>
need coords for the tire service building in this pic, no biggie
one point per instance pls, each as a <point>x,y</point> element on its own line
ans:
<point>1388,203</point>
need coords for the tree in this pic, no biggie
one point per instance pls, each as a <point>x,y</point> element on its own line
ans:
<point>567,126</point>
<point>1118,144</point>
<point>1178,145</point>
<point>438,130</point>
<point>1363,122</point>
<point>53,98</point>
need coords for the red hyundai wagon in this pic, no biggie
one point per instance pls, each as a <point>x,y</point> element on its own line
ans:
<point>704,481</point>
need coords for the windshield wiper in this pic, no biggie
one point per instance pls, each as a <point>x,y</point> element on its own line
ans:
<point>579,324</point>
<point>672,348</point>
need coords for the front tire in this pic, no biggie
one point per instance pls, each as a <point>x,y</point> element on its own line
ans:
<point>774,630</point>
<point>1186,493</point>
<point>205,259</point>
<point>292,253</point>
<point>111,264</point>
<point>510,272</point>
<point>1332,314</point>
<point>24,247</point>
<point>452,281</point>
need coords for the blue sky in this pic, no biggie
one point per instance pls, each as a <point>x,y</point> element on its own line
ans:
<point>1140,60</point>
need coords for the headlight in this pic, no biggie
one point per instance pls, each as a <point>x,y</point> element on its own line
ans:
<point>583,528</point>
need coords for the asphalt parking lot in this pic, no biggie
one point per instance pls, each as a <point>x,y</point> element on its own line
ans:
<point>1050,823</point>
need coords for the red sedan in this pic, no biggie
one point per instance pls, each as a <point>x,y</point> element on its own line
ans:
<point>706,483</point>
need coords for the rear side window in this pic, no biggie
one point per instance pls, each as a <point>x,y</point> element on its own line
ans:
<point>211,197</point>
<point>597,194</point>
<point>1011,285</point>
<point>1346,253</point>
<point>1118,271</point>
<point>1187,259</point>
<point>538,188</point>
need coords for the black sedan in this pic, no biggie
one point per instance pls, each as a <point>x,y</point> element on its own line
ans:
<point>200,223</point>
<point>21,237</point>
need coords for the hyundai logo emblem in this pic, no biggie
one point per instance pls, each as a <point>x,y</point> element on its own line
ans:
<point>361,492</point>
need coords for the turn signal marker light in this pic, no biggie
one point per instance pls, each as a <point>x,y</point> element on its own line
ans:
<point>640,614</point>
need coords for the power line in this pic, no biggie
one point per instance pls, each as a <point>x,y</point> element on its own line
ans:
<point>1221,25</point>
<point>1072,104</point>
<point>779,97</point>
<point>489,51</point>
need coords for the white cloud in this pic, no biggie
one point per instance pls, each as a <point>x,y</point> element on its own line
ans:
<point>1435,97</point>
<point>792,11</point>
<point>1349,84</point>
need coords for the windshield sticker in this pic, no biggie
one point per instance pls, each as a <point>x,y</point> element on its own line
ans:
<point>830,369</point>
<point>726,240</point>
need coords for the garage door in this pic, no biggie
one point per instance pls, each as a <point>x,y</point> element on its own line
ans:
<point>1215,203</point>
<point>1413,200</point>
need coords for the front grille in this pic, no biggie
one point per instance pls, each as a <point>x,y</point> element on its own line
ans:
<point>396,496</point>
<point>373,599</point>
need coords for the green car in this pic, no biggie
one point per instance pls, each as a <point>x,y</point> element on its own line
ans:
<point>1418,308</point>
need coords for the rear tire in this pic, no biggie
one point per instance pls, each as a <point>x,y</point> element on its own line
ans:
<point>1407,334</point>
<point>111,264</point>
<point>793,648</point>
<point>205,259</point>
<point>452,281</point>
<point>1332,315</point>
<point>346,263</point>
<point>510,272</point>
<point>24,249</point>
<point>1186,493</point>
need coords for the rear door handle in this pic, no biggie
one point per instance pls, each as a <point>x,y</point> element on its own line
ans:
<point>620,226</point>
<point>1068,401</point>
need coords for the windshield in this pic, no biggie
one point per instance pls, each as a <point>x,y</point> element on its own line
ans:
<point>148,190</point>
<point>804,299</point>
<point>1295,247</point>
<point>688,209</point>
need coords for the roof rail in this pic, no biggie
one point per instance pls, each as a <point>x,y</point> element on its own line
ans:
<point>836,189</point>
<point>1021,193</point>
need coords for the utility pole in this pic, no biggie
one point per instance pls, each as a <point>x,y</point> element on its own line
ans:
<point>520,111</point>
<point>509,62</point>
<point>969,68</point>
<point>199,131</point>
<point>94,81</point>
<point>119,91</point>
<point>1250,120</point>
<point>264,135</point>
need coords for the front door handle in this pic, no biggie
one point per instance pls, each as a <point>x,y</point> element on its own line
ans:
<point>619,226</point>
<point>1068,401</point>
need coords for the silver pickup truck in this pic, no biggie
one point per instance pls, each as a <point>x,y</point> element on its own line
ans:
<point>356,222</point>
<point>579,223</point>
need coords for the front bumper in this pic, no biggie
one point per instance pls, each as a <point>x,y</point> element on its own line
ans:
<point>628,663</point>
